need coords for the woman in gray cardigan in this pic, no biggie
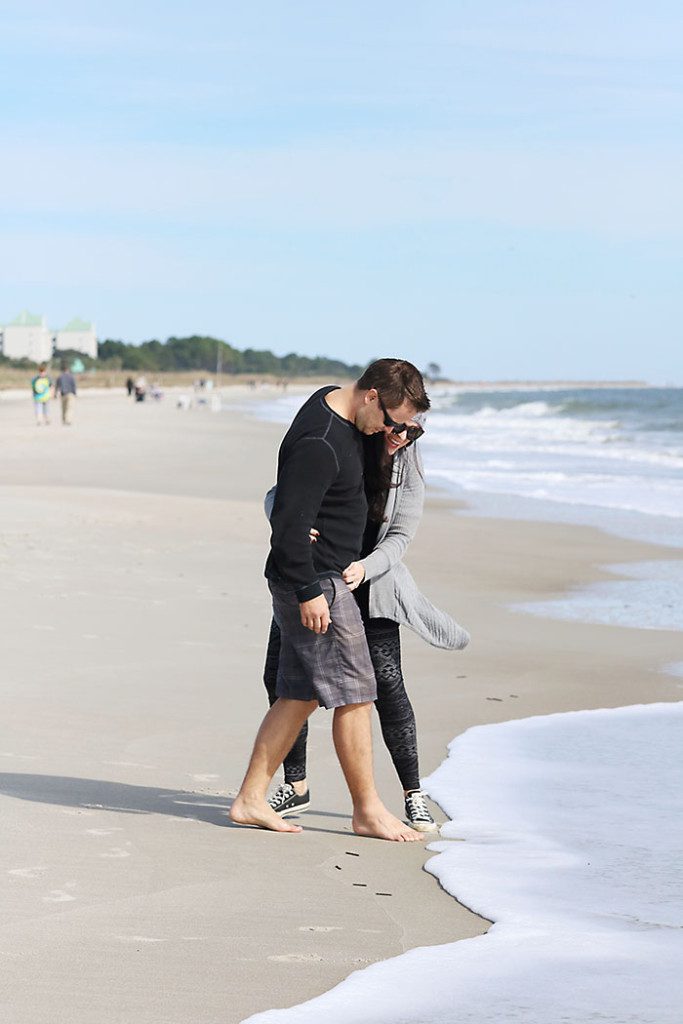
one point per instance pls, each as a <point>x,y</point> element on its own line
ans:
<point>388,598</point>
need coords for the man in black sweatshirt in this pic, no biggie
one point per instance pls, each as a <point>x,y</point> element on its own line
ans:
<point>324,659</point>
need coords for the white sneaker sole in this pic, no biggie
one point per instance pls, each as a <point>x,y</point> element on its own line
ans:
<point>423,826</point>
<point>294,810</point>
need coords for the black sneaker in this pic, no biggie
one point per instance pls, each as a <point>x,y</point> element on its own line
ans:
<point>417,812</point>
<point>285,801</point>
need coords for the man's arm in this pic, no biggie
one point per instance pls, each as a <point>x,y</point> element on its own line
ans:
<point>305,476</point>
<point>269,501</point>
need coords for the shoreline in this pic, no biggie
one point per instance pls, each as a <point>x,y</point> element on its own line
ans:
<point>16,382</point>
<point>152,601</point>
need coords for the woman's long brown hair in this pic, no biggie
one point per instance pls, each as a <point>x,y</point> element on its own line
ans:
<point>378,472</point>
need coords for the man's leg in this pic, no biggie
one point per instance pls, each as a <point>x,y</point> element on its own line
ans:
<point>274,739</point>
<point>295,761</point>
<point>66,409</point>
<point>353,742</point>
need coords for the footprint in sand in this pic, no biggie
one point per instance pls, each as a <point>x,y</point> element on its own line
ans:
<point>116,852</point>
<point>320,928</point>
<point>297,958</point>
<point>129,764</point>
<point>26,872</point>
<point>59,896</point>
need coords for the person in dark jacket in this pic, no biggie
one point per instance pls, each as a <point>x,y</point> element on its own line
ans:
<point>66,389</point>
<point>387,596</point>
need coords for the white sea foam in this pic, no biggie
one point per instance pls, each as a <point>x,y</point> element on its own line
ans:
<point>651,597</point>
<point>624,452</point>
<point>655,497</point>
<point>572,845</point>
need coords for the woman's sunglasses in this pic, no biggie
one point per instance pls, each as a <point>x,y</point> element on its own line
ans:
<point>412,430</point>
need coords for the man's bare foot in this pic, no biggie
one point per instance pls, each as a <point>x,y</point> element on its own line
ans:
<point>379,823</point>
<point>259,813</point>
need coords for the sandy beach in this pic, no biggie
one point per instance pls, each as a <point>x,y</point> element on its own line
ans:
<point>135,615</point>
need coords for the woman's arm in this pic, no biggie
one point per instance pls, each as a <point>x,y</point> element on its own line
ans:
<point>269,501</point>
<point>409,497</point>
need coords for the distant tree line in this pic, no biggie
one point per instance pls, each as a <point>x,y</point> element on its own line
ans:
<point>209,354</point>
<point>198,353</point>
<point>205,354</point>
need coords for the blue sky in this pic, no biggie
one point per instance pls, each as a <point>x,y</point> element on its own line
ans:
<point>493,186</point>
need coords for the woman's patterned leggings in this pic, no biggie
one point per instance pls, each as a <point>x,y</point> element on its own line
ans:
<point>396,715</point>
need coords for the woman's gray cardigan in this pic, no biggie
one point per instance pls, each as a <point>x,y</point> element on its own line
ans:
<point>394,593</point>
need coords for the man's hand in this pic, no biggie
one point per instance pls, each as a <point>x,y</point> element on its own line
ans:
<point>354,575</point>
<point>315,614</point>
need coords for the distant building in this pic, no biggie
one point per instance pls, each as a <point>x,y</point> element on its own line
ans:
<point>79,335</point>
<point>27,337</point>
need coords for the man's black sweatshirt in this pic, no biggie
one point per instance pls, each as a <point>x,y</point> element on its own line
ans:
<point>319,485</point>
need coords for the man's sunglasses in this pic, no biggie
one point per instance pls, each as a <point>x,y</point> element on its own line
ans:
<point>411,430</point>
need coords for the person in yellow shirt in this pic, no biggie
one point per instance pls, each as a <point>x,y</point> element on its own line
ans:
<point>41,387</point>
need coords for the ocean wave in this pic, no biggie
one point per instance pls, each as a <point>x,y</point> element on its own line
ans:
<point>650,597</point>
<point>524,409</point>
<point>652,497</point>
<point>544,444</point>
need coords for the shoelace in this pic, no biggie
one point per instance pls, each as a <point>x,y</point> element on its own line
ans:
<point>282,793</point>
<point>417,807</point>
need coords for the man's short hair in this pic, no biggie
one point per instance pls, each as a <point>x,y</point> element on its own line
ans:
<point>395,381</point>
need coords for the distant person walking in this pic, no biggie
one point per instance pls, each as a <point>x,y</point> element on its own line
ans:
<point>41,388</point>
<point>66,389</point>
<point>130,386</point>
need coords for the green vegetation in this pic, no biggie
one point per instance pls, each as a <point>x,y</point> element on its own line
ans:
<point>198,353</point>
<point>210,354</point>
